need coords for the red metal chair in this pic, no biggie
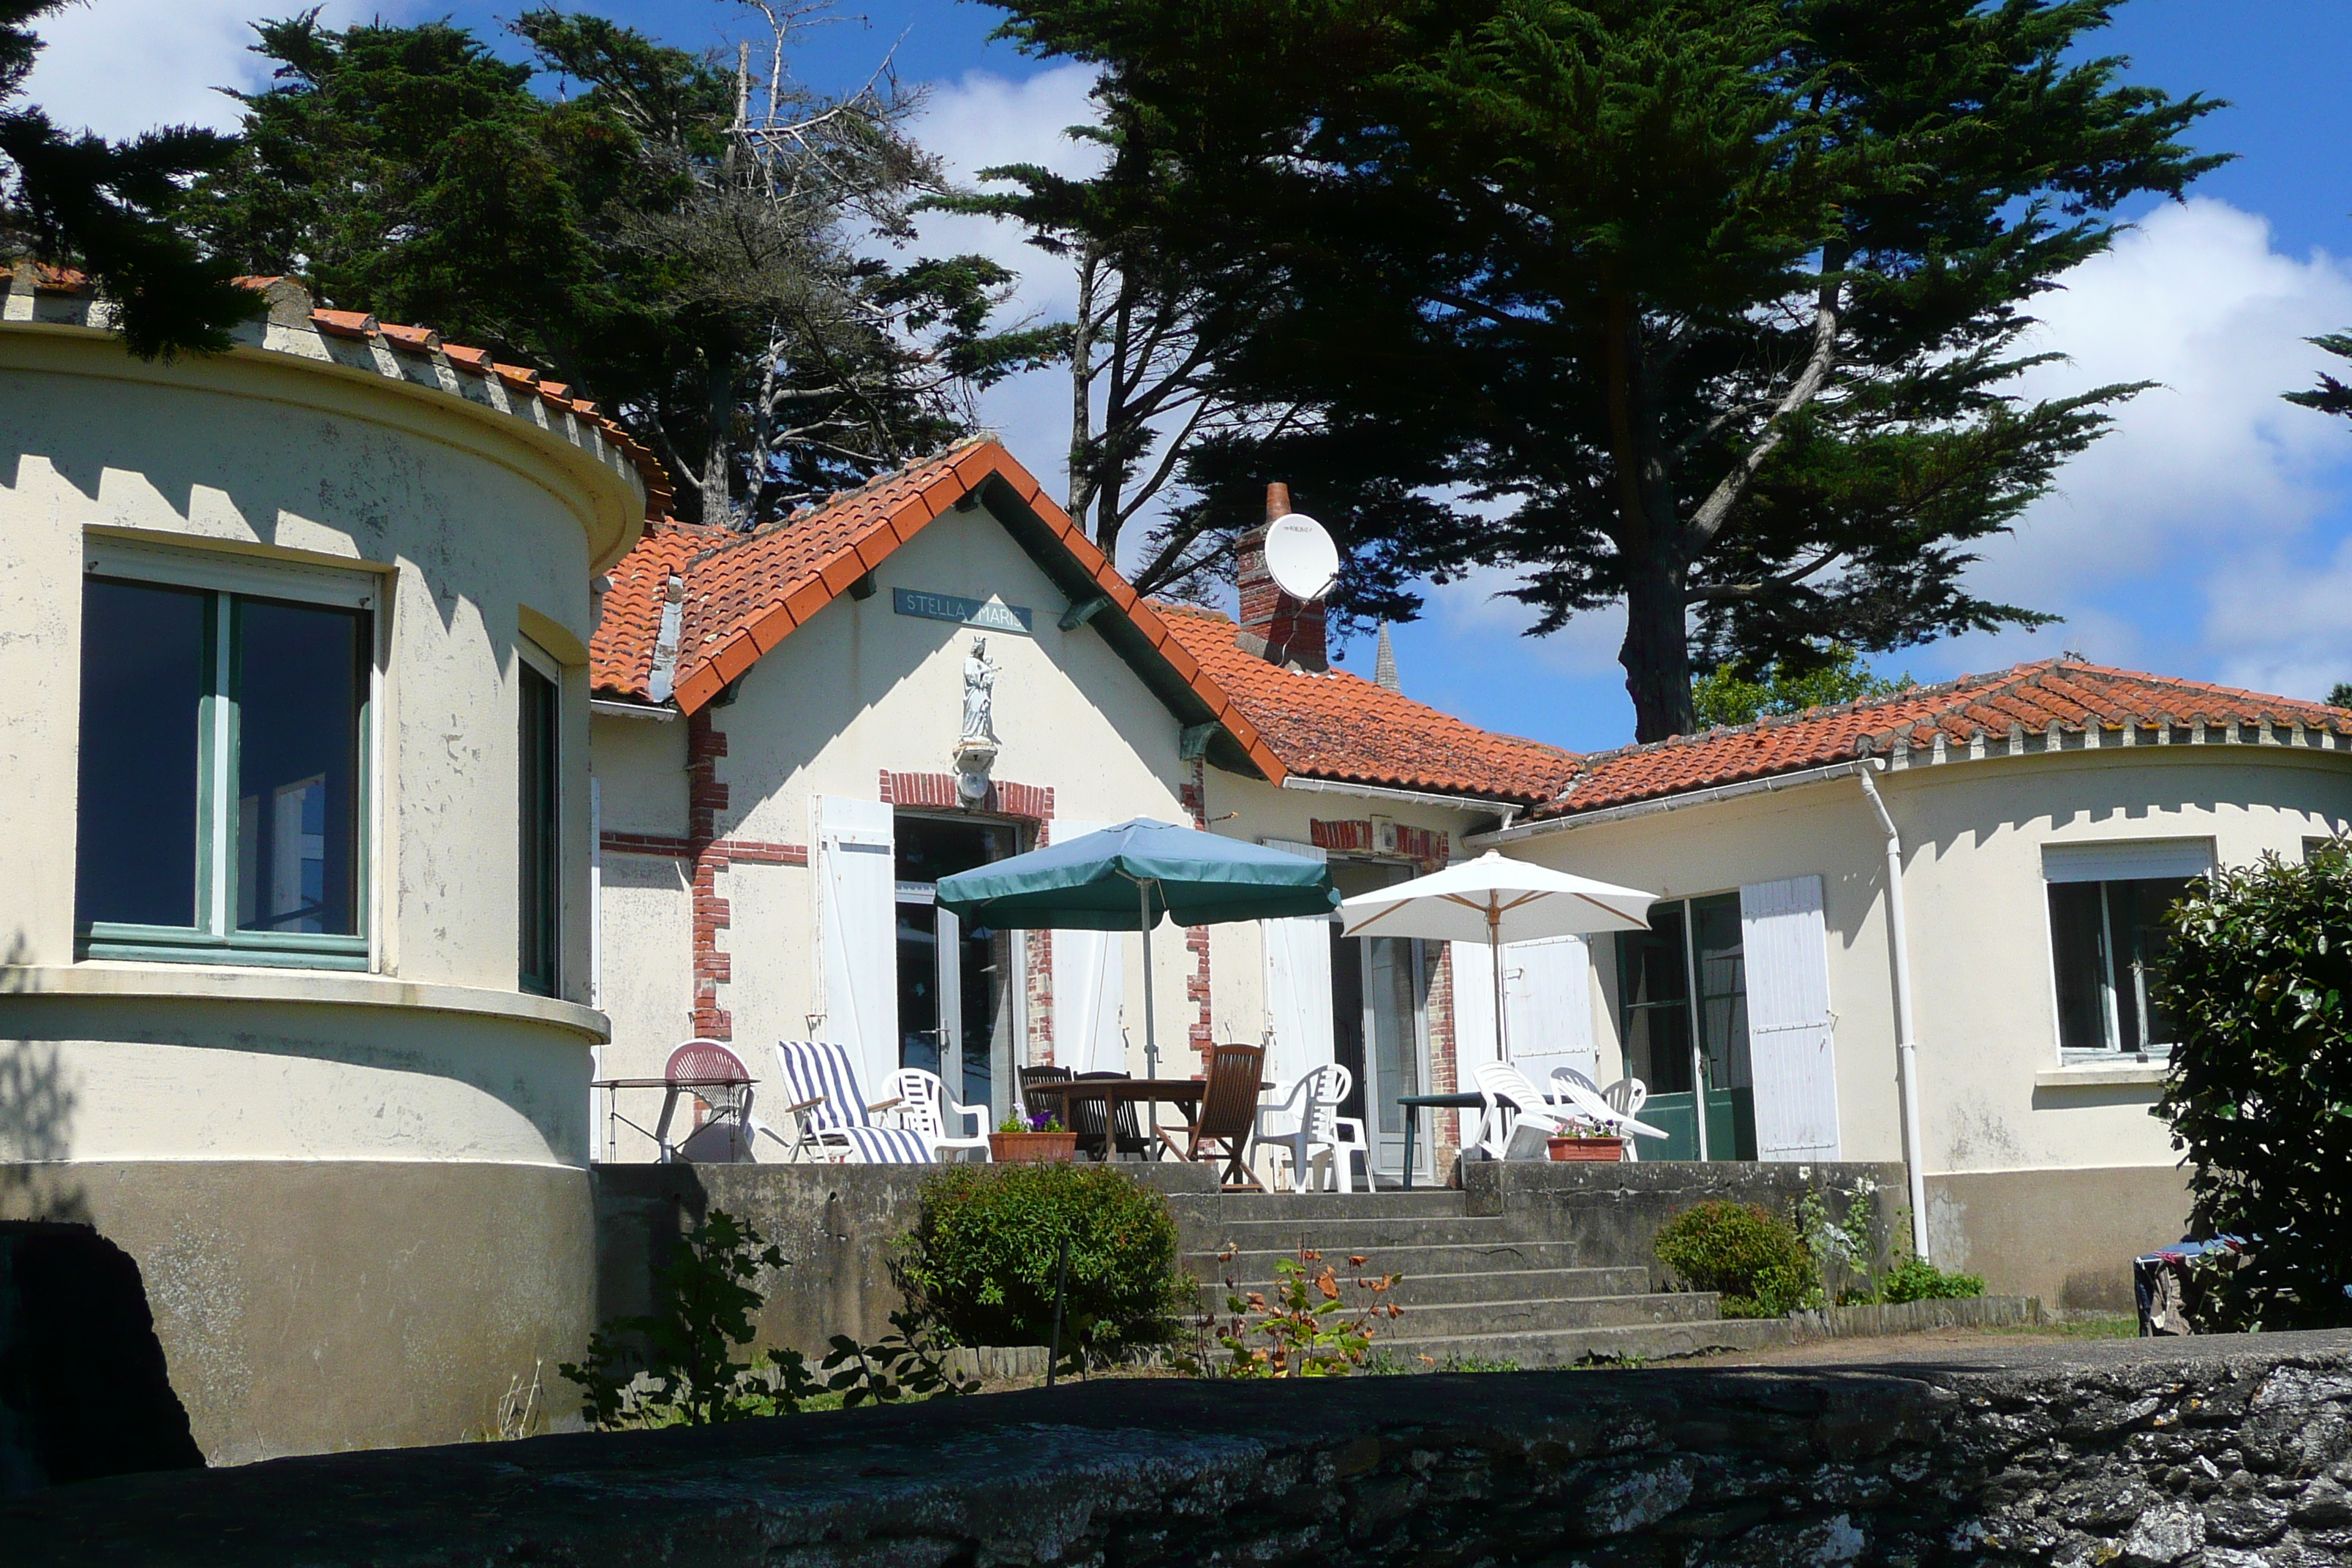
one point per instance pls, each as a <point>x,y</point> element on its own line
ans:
<point>721,1087</point>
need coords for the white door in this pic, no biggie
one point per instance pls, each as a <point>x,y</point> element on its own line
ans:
<point>857,950</point>
<point>1791,1048</point>
<point>1298,989</point>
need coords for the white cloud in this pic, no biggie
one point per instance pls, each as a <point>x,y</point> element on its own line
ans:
<point>120,66</point>
<point>980,120</point>
<point>2164,540</point>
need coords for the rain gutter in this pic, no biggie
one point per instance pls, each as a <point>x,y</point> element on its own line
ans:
<point>1773,785</point>
<point>1906,1042</point>
<point>1505,809</point>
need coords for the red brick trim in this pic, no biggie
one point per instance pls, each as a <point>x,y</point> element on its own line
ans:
<point>647,844</point>
<point>705,798</point>
<point>1427,847</point>
<point>1028,802</point>
<point>1195,799</point>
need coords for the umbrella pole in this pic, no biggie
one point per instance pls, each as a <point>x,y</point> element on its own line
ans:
<point>1151,1035</point>
<point>1494,958</point>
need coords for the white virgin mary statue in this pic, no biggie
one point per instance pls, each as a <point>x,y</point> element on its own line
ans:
<point>980,694</point>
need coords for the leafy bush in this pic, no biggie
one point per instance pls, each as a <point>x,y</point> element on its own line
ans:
<point>2259,1091</point>
<point>981,1261</point>
<point>677,1364</point>
<point>1752,1257</point>
<point>1916,1279</point>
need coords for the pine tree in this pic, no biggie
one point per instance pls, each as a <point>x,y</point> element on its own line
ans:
<point>1706,307</point>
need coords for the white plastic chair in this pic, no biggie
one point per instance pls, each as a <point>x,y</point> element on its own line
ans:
<point>1614,1107</point>
<point>1504,1086</point>
<point>1307,1119</point>
<point>833,1120</point>
<point>926,1110</point>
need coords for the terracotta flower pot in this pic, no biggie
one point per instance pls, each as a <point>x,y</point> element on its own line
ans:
<point>1603,1149</point>
<point>1032,1148</point>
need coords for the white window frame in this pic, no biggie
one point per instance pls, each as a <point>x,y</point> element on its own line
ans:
<point>2101,862</point>
<point>125,557</point>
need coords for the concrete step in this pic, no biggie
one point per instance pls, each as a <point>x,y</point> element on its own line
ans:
<point>1467,1321</point>
<point>1421,1203</point>
<point>1484,1285</point>
<point>1577,1347</point>
<point>1333,1237</point>
<point>1408,1259</point>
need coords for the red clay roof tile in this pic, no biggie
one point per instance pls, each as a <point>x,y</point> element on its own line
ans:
<point>2064,694</point>
<point>1342,727</point>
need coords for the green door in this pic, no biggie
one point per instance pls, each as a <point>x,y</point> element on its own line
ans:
<point>1730,1126</point>
<point>1693,949</point>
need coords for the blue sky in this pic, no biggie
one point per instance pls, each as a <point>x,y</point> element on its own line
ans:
<point>2209,536</point>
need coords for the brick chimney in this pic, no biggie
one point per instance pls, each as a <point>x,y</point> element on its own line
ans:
<point>1273,626</point>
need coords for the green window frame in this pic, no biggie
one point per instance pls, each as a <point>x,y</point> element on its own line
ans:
<point>226,875</point>
<point>539,709</point>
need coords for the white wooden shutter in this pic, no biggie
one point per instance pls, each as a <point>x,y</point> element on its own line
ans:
<point>1547,988</point>
<point>1298,988</point>
<point>1089,986</point>
<point>1474,1008</point>
<point>1790,1048</point>
<point>857,916</point>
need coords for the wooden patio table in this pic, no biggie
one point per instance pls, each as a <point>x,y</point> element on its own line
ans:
<point>1184,1093</point>
<point>1414,1104</point>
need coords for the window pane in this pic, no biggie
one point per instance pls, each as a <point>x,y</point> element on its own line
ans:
<point>301,684</point>
<point>2078,953</point>
<point>536,860</point>
<point>1653,1002</point>
<point>1722,990</point>
<point>2138,910</point>
<point>143,675</point>
<point>918,987</point>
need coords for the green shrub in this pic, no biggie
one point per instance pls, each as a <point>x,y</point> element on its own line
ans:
<point>981,1261</point>
<point>2260,1093</point>
<point>1753,1258</point>
<point>1916,1279</point>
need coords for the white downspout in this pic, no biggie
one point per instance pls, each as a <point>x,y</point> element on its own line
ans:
<point>1906,1041</point>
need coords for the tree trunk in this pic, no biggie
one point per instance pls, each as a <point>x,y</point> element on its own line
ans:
<point>1650,539</point>
<point>1082,389</point>
<point>718,390</point>
<point>1656,651</point>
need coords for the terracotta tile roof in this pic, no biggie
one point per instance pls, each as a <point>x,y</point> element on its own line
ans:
<point>2029,705</point>
<point>621,658</point>
<point>1342,727</point>
<point>747,592</point>
<point>290,305</point>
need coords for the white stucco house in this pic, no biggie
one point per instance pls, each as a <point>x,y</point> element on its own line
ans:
<point>775,721</point>
<point>294,880</point>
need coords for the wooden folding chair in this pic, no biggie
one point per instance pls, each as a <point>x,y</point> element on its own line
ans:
<point>1228,1114</point>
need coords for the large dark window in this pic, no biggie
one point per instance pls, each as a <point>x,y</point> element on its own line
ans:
<point>221,775</point>
<point>1682,1001</point>
<point>541,887</point>
<point>2104,939</point>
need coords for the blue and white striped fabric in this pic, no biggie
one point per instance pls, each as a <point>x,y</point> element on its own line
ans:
<point>818,1070</point>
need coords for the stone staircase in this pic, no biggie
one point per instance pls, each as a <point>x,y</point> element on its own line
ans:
<point>1475,1289</point>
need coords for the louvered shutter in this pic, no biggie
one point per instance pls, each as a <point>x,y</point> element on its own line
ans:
<point>1089,986</point>
<point>856,894</point>
<point>1790,1046</point>
<point>1298,988</point>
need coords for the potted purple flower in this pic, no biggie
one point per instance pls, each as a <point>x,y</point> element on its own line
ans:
<point>1035,1140</point>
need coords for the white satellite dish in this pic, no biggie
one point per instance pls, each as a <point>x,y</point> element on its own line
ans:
<point>1300,556</point>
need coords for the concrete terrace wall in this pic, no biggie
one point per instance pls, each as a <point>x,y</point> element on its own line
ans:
<point>837,1223</point>
<point>2231,1453</point>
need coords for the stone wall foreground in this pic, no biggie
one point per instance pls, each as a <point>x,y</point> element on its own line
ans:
<point>2221,1452</point>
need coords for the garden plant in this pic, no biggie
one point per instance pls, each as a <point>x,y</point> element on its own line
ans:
<point>2259,1090</point>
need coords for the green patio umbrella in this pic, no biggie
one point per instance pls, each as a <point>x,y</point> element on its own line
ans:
<point>1132,875</point>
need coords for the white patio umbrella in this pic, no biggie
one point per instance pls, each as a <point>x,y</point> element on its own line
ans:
<point>1499,902</point>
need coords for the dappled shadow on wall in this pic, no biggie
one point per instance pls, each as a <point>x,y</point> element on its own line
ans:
<point>83,1388</point>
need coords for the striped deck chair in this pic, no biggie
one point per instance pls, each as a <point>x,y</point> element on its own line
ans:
<point>836,1121</point>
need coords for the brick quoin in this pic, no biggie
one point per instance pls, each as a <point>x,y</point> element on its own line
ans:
<point>705,798</point>
<point>1194,797</point>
